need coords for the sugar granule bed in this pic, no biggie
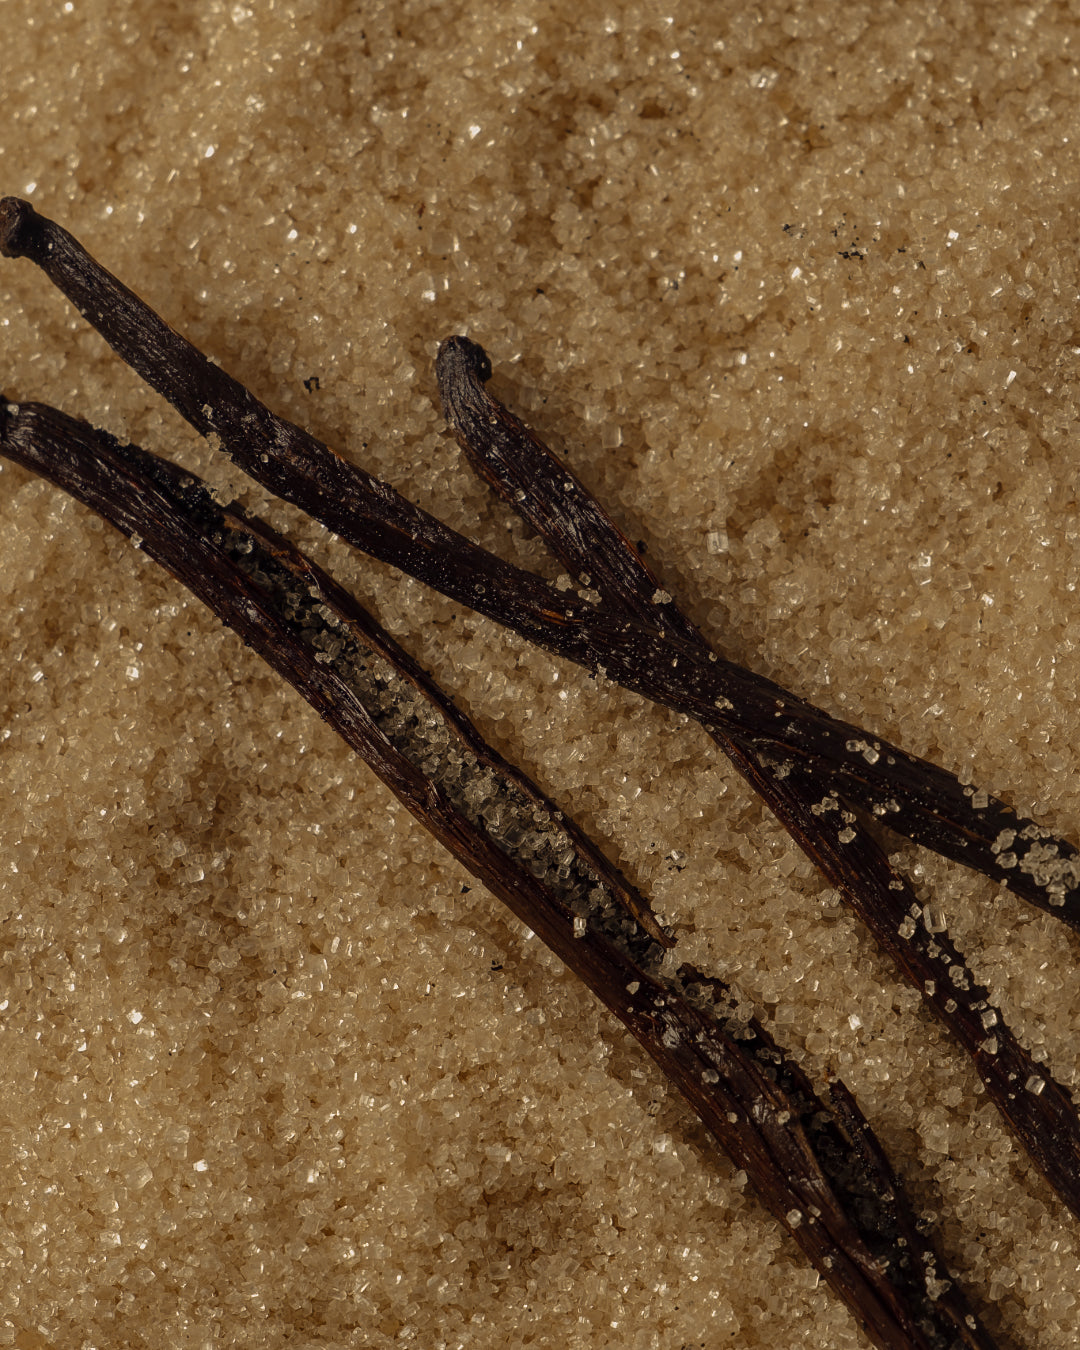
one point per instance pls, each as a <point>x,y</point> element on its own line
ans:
<point>795,292</point>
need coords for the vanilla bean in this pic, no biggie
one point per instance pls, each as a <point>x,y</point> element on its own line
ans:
<point>140,493</point>
<point>532,479</point>
<point>777,733</point>
<point>818,1168</point>
<point>911,796</point>
<point>914,797</point>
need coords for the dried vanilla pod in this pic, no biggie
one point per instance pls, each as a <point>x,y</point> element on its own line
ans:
<point>528,475</point>
<point>779,736</point>
<point>783,733</point>
<point>913,796</point>
<point>817,1166</point>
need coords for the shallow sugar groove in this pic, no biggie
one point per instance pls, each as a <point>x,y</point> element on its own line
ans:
<point>885,525</point>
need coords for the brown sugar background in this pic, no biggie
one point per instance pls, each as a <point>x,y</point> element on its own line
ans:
<point>794,290</point>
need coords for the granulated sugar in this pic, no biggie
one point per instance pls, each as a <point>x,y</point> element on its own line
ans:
<point>795,293</point>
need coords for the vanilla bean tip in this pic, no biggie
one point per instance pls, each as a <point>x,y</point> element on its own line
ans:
<point>20,228</point>
<point>460,357</point>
